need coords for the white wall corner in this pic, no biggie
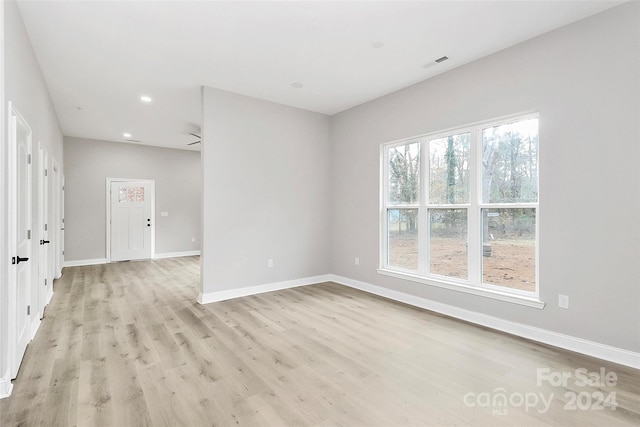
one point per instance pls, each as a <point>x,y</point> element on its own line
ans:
<point>82,262</point>
<point>567,342</point>
<point>6,386</point>
<point>259,289</point>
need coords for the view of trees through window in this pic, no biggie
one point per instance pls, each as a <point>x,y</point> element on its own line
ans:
<point>504,205</point>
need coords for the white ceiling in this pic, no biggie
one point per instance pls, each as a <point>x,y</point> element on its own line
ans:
<point>98,58</point>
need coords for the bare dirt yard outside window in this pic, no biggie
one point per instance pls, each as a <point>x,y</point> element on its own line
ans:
<point>511,264</point>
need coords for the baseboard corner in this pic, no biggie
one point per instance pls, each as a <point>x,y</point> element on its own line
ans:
<point>176,254</point>
<point>217,296</point>
<point>83,262</point>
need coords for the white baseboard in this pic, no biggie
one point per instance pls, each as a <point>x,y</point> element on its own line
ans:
<point>35,325</point>
<point>81,262</point>
<point>259,289</point>
<point>176,254</point>
<point>6,386</point>
<point>579,345</point>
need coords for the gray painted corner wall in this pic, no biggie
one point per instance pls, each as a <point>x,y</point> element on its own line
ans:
<point>177,183</point>
<point>265,192</point>
<point>25,87</point>
<point>584,81</point>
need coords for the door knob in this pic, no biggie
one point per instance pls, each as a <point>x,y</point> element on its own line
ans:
<point>19,260</point>
<point>44,242</point>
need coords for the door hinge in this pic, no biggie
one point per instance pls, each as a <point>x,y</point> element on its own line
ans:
<point>28,310</point>
<point>29,159</point>
<point>46,172</point>
<point>45,282</point>
<point>28,234</point>
<point>45,227</point>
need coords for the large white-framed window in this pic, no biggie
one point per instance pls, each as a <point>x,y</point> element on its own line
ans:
<point>459,209</point>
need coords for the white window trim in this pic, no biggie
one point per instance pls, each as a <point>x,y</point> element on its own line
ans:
<point>529,299</point>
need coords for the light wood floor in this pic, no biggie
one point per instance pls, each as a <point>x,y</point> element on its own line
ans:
<point>126,344</point>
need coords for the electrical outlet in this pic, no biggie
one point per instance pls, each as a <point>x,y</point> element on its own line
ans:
<point>270,263</point>
<point>563,301</point>
<point>356,261</point>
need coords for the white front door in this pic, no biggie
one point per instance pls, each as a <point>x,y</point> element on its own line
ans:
<point>131,220</point>
<point>43,215</point>
<point>20,236</point>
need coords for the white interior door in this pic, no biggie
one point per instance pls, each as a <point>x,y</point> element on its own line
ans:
<point>131,220</point>
<point>43,215</point>
<point>20,236</point>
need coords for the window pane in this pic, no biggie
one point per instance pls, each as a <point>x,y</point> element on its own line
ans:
<point>448,242</point>
<point>510,162</point>
<point>128,194</point>
<point>449,169</point>
<point>509,248</point>
<point>404,174</point>
<point>403,238</point>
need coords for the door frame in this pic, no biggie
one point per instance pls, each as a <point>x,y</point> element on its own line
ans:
<point>13,347</point>
<point>43,218</point>
<point>55,268</point>
<point>61,251</point>
<point>5,347</point>
<point>152,186</point>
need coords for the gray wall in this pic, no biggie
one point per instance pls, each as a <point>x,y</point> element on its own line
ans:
<point>584,80</point>
<point>24,86</point>
<point>265,192</point>
<point>177,182</point>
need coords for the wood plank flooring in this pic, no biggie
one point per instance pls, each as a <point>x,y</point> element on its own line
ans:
<point>125,344</point>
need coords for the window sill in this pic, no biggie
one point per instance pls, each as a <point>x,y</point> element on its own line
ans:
<point>458,287</point>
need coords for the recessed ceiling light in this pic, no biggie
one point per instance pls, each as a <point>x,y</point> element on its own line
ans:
<point>377,45</point>
<point>145,98</point>
<point>297,85</point>
<point>126,135</point>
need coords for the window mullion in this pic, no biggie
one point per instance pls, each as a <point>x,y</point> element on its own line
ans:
<point>423,246</point>
<point>474,223</point>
